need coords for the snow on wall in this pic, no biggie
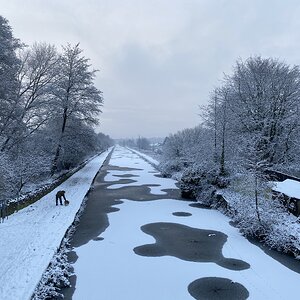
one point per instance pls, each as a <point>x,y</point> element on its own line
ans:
<point>288,187</point>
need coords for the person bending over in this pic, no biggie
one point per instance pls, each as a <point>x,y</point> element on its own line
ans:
<point>59,196</point>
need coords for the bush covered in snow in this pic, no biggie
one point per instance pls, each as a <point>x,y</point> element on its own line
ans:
<point>279,229</point>
<point>284,235</point>
<point>56,277</point>
<point>196,182</point>
<point>248,198</point>
<point>185,149</point>
<point>171,168</point>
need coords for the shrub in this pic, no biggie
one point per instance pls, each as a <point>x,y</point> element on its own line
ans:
<point>198,183</point>
<point>171,167</point>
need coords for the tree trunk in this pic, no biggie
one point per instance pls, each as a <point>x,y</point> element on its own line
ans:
<point>215,130</point>
<point>222,159</point>
<point>256,200</point>
<point>4,144</point>
<point>58,148</point>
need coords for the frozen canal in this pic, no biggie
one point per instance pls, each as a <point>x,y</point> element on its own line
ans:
<point>138,240</point>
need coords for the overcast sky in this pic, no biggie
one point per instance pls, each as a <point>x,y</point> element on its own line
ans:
<point>159,59</point>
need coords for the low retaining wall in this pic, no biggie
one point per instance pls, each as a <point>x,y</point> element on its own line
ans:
<point>9,208</point>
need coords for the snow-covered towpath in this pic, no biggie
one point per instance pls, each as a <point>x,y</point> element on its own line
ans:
<point>155,246</point>
<point>30,237</point>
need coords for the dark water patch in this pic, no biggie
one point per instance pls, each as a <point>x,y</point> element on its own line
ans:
<point>153,185</point>
<point>102,181</point>
<point>199,205</point>
<point>233,264</point>
<point>181,214</point>
<point>112,209</point>
<point>124,169</point>
<point>126,175</point>
<point>233,224</point>
<point>101,201</point>
<point>123,181</point>
<point>142,193</point>
<point>216,288</point>
<point>99,238</point>
<point>158,175</point>
<point>69,291</point>
<point>288,261</point>
<point>94,219</point>
<point>187,243</point>
<point>72,256</point>
<point>151,250</point>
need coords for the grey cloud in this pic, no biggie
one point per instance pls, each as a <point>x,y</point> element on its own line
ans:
<point>159,60</point>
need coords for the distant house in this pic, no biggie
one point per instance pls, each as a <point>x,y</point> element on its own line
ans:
<point>289,192</point>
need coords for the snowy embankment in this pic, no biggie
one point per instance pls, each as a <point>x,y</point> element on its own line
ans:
<point>30,237</point>
<point>148,158</point>
<point>281,229</point>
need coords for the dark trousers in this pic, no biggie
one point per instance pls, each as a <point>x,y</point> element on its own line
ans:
<point>60,199</point>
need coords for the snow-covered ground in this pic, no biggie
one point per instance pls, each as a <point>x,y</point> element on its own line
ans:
<point>289,187</point>
<point>109,269</point>
<point>30,237</point>
<point>148,158</point>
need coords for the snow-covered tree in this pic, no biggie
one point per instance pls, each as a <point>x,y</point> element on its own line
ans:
<point>76,95</point>
<point>9,65</point>
<point>104,141</point>
<point>216,116</point>
<point>250,125</point>
<point>254,115</point>
<point>186,148</point>
<point>143,143</point>
<point>264,98</point>
<point>37,76</point>
<point>48,105</point>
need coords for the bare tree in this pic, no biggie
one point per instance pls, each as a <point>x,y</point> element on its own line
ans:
<point>76,95</point>
<point>143,143</point>
<point>9,65</point>
<point>36,78</point>
<point>264,97</point>
<point>216,117</point>
<point>223,93</point>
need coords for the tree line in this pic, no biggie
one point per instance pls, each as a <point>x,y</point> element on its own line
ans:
<point>251,121</point>
<point>250,125</point>
<point>49,105</point>
<point>140,143</point>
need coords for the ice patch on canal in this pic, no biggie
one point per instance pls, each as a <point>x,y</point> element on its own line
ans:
<point>144,172</point>
<point>109,269</point>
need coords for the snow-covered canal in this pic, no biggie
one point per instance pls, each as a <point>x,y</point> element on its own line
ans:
<point>138,240</point>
